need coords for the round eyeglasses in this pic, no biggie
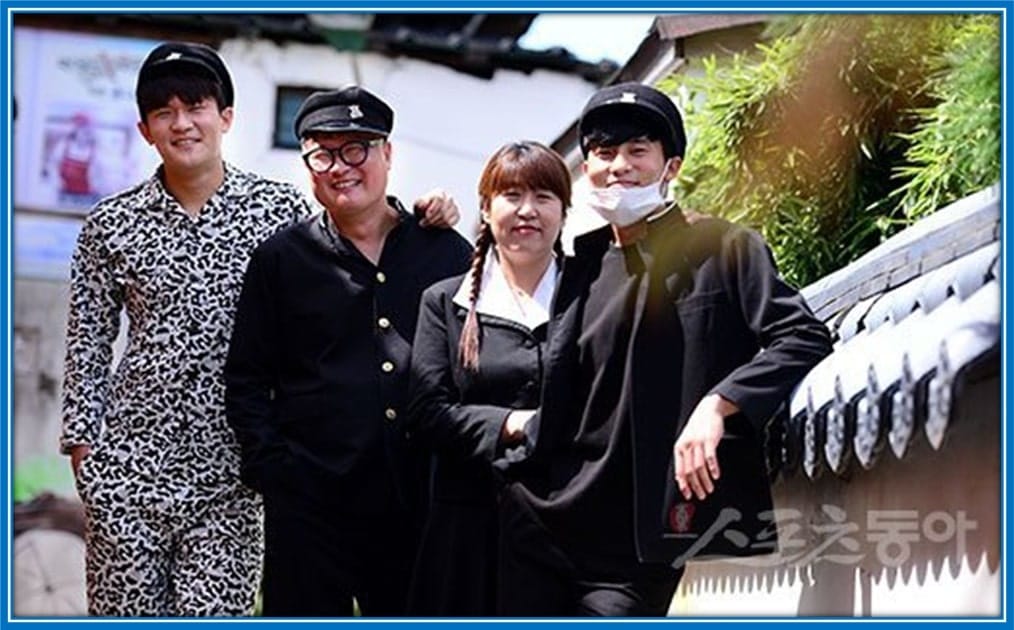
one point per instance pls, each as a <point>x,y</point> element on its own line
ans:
<point>351,153</point>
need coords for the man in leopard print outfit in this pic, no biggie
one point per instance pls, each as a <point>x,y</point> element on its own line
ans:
<point>171,530</point>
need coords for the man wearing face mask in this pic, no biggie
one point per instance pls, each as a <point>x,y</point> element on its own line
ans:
<point>664,335</point>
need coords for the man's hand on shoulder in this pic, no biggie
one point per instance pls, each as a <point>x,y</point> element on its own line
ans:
<point>437,209</point>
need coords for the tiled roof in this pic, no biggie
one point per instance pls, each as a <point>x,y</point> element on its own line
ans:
<point>911,320</point>
<point>474,43</point>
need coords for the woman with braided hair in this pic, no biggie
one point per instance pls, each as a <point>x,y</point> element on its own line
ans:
<point>476,373</point>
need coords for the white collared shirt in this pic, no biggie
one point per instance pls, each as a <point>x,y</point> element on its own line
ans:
<point>498,299</point>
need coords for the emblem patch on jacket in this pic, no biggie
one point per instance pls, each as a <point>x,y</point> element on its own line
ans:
<point>681,517</point>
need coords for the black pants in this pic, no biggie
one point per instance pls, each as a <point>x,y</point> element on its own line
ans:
<point>539,579</point>
<point>318,556</point>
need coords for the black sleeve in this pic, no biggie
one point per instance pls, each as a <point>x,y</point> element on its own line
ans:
<point>249,375</point>
<point>791,338</point>
<point>437,420</point>
<point>461,257</point>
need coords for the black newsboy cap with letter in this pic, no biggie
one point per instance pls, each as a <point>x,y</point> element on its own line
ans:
<point>349,109</point>
<point>186,58</point>
<point>635,99</point>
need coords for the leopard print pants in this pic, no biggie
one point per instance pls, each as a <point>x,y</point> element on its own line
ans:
<point>165,548</point>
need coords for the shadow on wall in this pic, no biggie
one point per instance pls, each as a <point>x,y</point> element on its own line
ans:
<point>916,536</point>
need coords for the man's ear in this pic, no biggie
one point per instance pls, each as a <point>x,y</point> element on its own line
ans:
<point>226,115</point>
<point>387,153</point>
<point>142,128</point>
<point>675,164</point>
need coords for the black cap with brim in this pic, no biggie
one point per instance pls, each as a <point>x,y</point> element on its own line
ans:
<point>182,58</point>
<point>350,109</point>
<point>638,104</point>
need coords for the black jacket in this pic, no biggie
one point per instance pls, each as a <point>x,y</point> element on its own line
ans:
<point>730,304</point>
<point>317,371</point>
<point>458,415</point>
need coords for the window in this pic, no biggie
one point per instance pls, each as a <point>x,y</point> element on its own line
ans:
<point>287,102</point>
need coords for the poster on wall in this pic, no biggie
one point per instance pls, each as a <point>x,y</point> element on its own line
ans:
<point>75,130</point>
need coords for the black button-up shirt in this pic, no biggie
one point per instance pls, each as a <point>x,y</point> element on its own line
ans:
<point>318,364</point>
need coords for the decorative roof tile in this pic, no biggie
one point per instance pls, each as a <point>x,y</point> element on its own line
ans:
<point>909,318</point>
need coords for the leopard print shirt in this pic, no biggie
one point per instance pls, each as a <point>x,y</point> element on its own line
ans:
<point>161,412</point>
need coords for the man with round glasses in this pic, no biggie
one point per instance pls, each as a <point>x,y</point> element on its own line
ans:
<point>318,368</point>
<point>352,153</point>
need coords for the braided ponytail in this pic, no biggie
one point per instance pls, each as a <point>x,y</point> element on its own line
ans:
<point>526,165</point>
<point>468,345</point>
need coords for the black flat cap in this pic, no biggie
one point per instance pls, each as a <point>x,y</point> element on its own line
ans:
<point>186,58</point>
<point>351,108</point>
<point>640,102</point>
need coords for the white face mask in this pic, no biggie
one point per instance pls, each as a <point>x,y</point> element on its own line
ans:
<point>626,206</point>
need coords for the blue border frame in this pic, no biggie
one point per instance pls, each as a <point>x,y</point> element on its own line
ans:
<point>561,6</point>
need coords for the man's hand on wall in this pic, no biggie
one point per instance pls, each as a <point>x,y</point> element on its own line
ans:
<point>694,453</point>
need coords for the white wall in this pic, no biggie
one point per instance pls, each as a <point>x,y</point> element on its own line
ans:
<point>446,123</point>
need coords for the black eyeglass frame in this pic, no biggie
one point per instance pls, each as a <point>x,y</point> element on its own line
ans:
<point>337,153</point>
